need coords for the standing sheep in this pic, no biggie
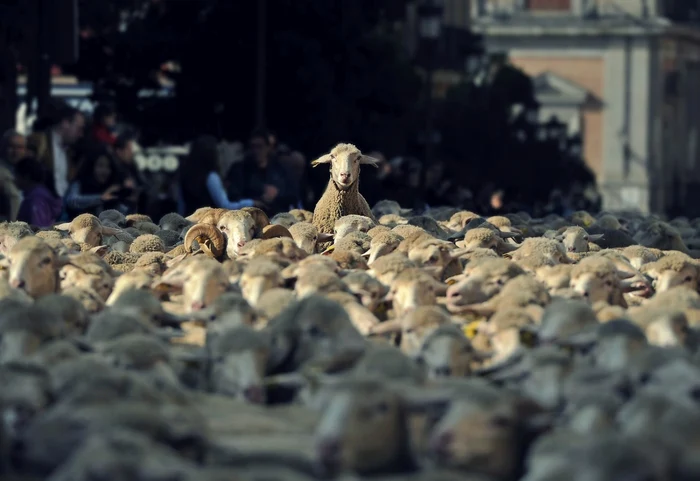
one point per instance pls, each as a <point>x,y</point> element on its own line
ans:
<point>342,196</point>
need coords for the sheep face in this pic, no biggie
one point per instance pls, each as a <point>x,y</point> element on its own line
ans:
<point>94,278</point>
<point>34,267</point>
<point>477,438</point>
<point>239,228</point>
<point>447,352</point>
<point>238,368</point>
<point>345,160</point>
<point>361,430</point>
<point>667,279</point>
<point>406,295</point>
<point>207,281</point>
<point>596,288</point>
<point>254,282</point>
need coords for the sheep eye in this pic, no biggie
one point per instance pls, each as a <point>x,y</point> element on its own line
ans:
<point>222,228</point>
<point>500,282</point>
<point>688,279</point>
<point>585,237</point>
<point>608,283</point>
<point>45,261</point>
<point>500,422</point>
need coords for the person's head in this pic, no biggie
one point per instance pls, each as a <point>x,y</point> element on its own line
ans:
<point>70,124</point>
<point>260,146</point>
<point>124,148</point>
<point>272,140</point>
<point>204,154</point>
<point>13,146</point>
<point>105,115</point>
<point>29,172</point>
<point>97,169</point>
<point>497,199</point>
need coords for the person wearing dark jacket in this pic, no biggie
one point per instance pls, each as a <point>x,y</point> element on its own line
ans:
<point>200,184</point>
<point>39,207</point>
<point>98,186</point>
<point>260,177</point>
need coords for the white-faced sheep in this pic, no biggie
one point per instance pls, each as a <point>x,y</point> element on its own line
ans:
<point>342,196</point>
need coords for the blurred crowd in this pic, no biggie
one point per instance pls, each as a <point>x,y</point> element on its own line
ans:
<point>70,164</point>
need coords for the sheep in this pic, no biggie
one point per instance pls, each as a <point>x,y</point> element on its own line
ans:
<point>272,302</point>
<point>34,267</point>
<point>482,280</point>
<point>660,235</point>
<point>173,222</point>
<point>313,330</point>
<point>87,229</point>
<point>132,280</point>
<point>310,282</point>
<point>307,237</point>
<point>349,260</point>
<point>24,329</point>
<point>302,215</point>
<point>200,282</point>
<point>386,268</point>
<point>356,241</point>
<point>597,279</point>
<point>551,249</point>
<point>284,219</point>
<point>258,276</point>
<point>342,196</point>
<point>348,224</point>
<point>366,288</point>
<point>11,233</point>
<point>576,239</point>
<point>673,270</point>
<point>90,299</point>
<point>382,243</point>
<point>71,312</point>
<point>89,272</point>
<point>438,256</point>
<point>447,352</point>
<point>222,231</point>
<point>29,396</point>
<point>362,318</point>
<point>386,206</point>
<point>412,288</point>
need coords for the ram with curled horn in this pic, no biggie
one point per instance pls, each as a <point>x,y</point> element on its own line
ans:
<point>210,239</point>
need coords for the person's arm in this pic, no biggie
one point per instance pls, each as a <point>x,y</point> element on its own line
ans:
<point>76,201</point>
<point>218,194</point>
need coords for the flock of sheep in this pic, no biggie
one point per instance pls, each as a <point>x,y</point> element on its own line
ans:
<point>350,343</point>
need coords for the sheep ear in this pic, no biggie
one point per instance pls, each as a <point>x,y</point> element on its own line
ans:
<point>62,260</point>
<point>64,227</point>
<point>110,231</point>
<point>559,238</point>
<point>595,237</point>
<point>100,250</point>
<point>366,159</point>
<point>324,159</point>
<point>323,237</point>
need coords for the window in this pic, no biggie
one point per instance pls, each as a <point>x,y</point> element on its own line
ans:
<point>549,5</point>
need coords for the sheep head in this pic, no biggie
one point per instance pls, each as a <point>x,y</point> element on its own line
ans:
<point>34,267</point>
<point>239,227</point>
<point>345,160</point>
<point>209,237</point>
<point>87,229</point>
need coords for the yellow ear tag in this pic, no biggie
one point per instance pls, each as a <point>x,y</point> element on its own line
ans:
<point>450,281</point>
<point>328,251</point>
<point>587,222</point>
<point>470,330</point>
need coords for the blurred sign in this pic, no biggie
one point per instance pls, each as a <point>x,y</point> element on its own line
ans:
<point>160,159</point>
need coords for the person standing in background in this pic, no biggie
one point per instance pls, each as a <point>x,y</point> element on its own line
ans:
<point>104,123</point>
<point>66,129</point>
<point>13,147</point>
<point>40,207</point>
<point>123,149</point>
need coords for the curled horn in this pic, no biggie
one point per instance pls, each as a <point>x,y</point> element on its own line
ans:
<point>275,230</point>
<point>209,238</point>
<point>260,217</point>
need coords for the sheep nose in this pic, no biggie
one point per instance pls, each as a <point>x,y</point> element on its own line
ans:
<point>254,394</point>
<point>345,176</point>
<point>440,444</point>
<point>329,450</point>
<point>240,243</point>
<point>571,249</point>
<point>197,305</point>
<point>18,283</point>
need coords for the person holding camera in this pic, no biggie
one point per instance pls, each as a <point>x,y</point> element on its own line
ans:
<point>98,186</point>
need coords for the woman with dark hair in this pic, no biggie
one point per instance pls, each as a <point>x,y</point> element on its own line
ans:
<point>200,183</point>
<point>97,187</point>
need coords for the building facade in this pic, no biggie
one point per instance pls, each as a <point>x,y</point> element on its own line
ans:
<point>623,74</point>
